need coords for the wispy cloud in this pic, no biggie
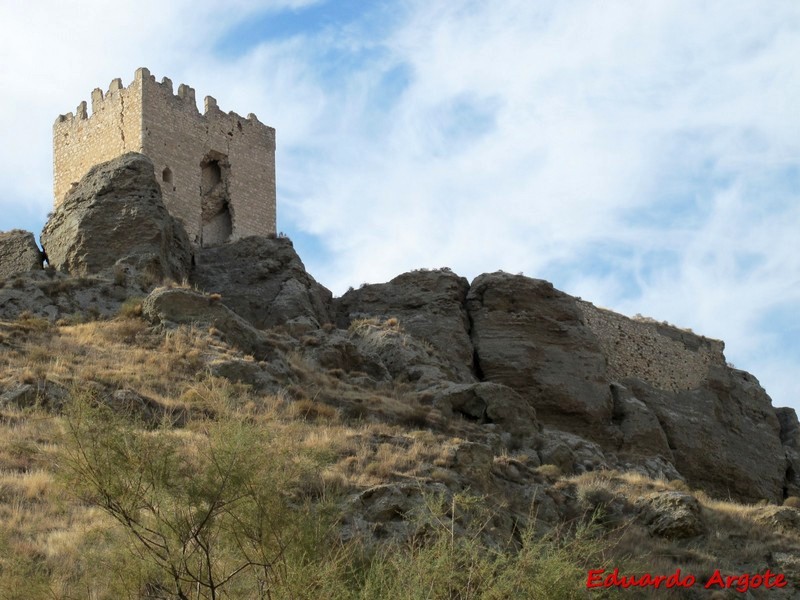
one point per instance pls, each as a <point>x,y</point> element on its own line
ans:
<point>643,155</point>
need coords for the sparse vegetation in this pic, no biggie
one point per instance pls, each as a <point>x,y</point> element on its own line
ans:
<point>132,307</point>
<point>217,508</point>
<point>792,501</point>
<point>252,494</point>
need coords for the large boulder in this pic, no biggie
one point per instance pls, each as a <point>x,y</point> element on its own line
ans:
<point>264,281</point>
<point>724,435</point>
<point>532,338</point>
<point>343,350</point>
<point>571,453</point>
<point>116,216</point>
<point>430,305</point>
<point>182,306</point>
<point>18,253</point>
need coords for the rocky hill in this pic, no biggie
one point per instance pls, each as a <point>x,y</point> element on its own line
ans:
<point>551,411</point>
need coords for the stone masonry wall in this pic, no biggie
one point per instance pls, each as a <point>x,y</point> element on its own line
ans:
<point>177,137</point>
<point>81,141</point>
<point>666,357</point>
<point>148,117</point>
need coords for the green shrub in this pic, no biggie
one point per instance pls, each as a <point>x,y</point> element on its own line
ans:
<point>215,512</point>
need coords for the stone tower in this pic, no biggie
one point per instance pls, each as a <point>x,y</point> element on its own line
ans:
<point>216,169</point>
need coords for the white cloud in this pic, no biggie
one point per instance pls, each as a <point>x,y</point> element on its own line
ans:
<point>643,155</point>
<point>57,52</point>
<point>601,116</point>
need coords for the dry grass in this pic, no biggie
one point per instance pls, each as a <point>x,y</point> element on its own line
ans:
<point>32,486</point>
<point>42,532</point>
<point>26,440</point>
<point>792,501</point>
<point>377,334</point>
<point>43,537</point>
<point>736,534</point>
<point>365,437</point>
<point>122,353</point>
<point>131,308</point>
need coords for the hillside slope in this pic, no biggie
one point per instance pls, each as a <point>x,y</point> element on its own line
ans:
<point>242,433</point>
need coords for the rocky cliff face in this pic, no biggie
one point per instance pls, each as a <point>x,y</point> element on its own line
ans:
<point>642,394</point>
<point>790,439</point>
<point>531,337</point>
<point>264,281</point>
<point>528,367</point>
<point>430,305</point>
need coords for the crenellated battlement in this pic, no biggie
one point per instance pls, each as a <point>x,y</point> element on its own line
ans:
<point>216,169</point>
<point>184,98</point>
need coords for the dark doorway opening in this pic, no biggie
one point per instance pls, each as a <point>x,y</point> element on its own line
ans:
<point>216,214</point>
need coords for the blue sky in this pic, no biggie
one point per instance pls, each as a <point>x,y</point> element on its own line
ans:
<point>642,155</point>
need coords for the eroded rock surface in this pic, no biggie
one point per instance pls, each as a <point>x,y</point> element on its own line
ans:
<point>674,515</point>
<point>531,337</point>
<point>790,439</point>
<point>174,306</point>
<point>489,403</point>
<point>724,435</point>
<point>428,304</point>
<point>116,216</point>
<point>264,281</point>
<point>381,351</point>
<point>640,430</point>
<point>18,253</point>
<point>54,295</point>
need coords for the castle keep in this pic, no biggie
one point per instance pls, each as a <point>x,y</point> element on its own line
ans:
<point>216,169</point>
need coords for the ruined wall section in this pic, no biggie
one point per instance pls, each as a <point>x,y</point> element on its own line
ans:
<point>81,140</point>
<point>665,356</point>
<point>178,139</point>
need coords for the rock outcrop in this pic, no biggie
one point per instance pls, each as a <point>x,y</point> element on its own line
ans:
<point>174,306</point>
<point>429,305</point>
<point>264,281</point>
<point>18,253</point>
<point>531,337</point>
<point>724,435</point>
<point>489,403</point>
<point>790,439</point>
<point>673,387</point>
<point>116,216</point>
<point>640,430</point>
<point>380,351</point>
<point>626,393</point>
<point>673,515</point>
<point>55,295</point>
<point>508,358</point>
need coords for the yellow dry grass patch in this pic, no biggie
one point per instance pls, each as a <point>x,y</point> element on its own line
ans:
<point>122,353</point>
<point>734,529</point>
